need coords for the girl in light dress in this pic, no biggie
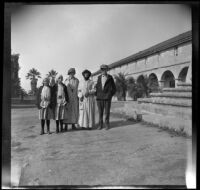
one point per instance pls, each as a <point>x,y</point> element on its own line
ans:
<point>44,104</point>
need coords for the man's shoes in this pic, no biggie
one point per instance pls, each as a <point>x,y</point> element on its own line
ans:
<point>73,127</point>
<point>99,127</point>
<point>107,127</point>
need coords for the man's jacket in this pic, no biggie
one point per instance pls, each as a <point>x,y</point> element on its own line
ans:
<point>109,88</point>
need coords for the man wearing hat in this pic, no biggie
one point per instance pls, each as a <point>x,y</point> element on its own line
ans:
<point>72,112</point>
<point>86,94</point>
<point>105,89</point>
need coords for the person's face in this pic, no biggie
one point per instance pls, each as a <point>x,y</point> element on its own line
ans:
<point>60,79</point>
<point>45,83</point>
<point>72,74</point>
<point>86,75</point>
<point>103,71</point>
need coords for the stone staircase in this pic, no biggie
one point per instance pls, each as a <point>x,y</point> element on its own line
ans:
<point>172,108</point>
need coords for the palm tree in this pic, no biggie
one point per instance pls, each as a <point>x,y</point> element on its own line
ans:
<point>33,75</point>
<point>52,73</point>
<point>132,88</point>
<point>121,86</point>
<point>23,93</point>
<point>144,86</point>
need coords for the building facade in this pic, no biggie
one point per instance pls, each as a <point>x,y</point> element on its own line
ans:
<point>168,62</point>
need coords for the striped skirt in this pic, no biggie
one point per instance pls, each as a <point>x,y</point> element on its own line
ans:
<point>45,113</point>
<point>60,112</point>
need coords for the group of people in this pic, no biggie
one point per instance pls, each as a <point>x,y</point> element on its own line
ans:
<point>73,102</point>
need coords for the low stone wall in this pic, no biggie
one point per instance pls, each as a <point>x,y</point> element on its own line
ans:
<point>169,117</point>
<point>26,100</point>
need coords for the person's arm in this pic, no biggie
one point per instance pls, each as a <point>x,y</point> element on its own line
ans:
<point>113,87</point>
<point>37,102</point>
<point>66,94</point>
<point>92,91</point>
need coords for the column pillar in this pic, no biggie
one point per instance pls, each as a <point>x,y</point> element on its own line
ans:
<point>161,84</point>
<point>177,81</point>
<point>189,74</point>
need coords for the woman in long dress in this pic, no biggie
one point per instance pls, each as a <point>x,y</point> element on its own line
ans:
<point>59,100</point>
<point>86,94</point>
<point>72,107</point>
<point>44,104</point>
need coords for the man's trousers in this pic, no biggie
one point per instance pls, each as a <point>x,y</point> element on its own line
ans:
<point>104,104</point>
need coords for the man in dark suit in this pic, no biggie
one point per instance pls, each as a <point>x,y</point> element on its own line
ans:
<point>105,89</point>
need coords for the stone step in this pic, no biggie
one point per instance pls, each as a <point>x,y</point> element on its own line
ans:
<point>180,102</point>
<point>167,110</point>
<point>173,94</point>
<point>179,89</point>
<point>184,84</point>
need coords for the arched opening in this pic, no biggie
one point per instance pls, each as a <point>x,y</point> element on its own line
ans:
<point>142,86</point>
<point>183,74</point>
<point>168,79</point>
<point>140,79</point>
<point>153,83</point>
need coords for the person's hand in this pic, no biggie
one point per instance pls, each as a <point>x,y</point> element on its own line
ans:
<point>81,99</point>
<point>86,94</point>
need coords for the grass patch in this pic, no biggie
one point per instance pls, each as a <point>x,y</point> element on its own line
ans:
<point>172,131</point>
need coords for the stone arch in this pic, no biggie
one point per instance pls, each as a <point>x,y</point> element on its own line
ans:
<point>140,78</point>
<point>168,79</point>
<point>183,73</point>
<point>153,82</point>
<point>143,90</point>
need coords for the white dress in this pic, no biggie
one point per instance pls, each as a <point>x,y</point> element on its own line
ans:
<point>87,106</point>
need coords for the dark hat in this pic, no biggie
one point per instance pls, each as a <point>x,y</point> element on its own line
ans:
<point>71,70</point>
<point>104,67</point>
<point>86,71</point>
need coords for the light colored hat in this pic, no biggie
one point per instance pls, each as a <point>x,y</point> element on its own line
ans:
<point>71,70</point>
<point>104,66</point>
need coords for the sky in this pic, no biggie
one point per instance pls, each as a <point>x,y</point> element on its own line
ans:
<point>86,36</point>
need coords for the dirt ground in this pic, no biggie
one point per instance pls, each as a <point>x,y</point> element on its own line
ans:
<point>127,154</point>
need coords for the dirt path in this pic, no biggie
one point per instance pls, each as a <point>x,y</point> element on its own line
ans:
<point>127,154</point>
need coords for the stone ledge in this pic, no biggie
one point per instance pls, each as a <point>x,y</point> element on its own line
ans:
<point>172,95</point>
<point>179,89</point>
<point>184,84</point>
<point>183,113</point>
<point>166,101</point>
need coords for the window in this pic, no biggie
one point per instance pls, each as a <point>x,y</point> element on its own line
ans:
<point>176,51</point>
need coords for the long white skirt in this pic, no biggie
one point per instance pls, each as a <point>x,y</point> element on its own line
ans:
<point>87,112</point>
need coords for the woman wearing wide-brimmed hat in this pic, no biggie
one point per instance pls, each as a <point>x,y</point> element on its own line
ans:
<point>86,94</point>
<point>72,107</point>
<point>44,104</point>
